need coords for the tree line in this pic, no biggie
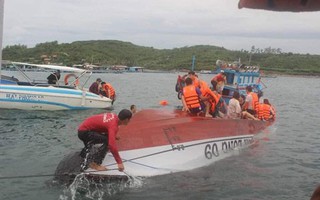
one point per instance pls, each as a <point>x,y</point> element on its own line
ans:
<point>113,52</point>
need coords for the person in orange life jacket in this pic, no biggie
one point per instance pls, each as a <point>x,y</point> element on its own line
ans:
<point>108,91</point>
<point>212,99</point>
<point>194,78</point>
<point>266,111</point>
<point>101,129</point>
<point>219,79</point>
<point>191,97</point>
<point>95,86</point>
<point>251,104</point>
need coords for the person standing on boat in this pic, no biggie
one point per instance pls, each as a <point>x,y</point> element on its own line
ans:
<point>101,129</point>
<point>53,78</point>
<point>95,86</point>
<point>218,82</point>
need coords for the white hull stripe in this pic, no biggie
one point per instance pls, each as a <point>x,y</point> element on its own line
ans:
<point>176,148</point>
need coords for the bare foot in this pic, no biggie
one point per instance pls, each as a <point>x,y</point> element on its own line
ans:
<point>97,167</point>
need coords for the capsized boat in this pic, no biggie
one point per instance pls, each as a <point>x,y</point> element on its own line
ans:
<point>35,95</point>
<point>158,142</point>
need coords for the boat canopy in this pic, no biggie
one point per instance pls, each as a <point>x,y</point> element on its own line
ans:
<point>55,67</point>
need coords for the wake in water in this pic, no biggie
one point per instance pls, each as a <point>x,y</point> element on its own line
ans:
<point>98,188</point>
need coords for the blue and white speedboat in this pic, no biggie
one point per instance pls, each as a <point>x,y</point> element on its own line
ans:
<point>238,78</point>
<point>31,95</point>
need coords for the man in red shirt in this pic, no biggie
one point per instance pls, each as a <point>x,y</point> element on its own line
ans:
<point>101,129</point>
<point>218,79</point>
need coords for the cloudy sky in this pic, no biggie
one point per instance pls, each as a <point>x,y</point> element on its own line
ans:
<point>162,24</point>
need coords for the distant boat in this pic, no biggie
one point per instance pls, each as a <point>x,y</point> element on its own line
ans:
<point>208,72</point>
<point>98,69</point>
<point>269,76</point>
<point>31,95</point>
<point>238,78</point>
<point>8,80</point>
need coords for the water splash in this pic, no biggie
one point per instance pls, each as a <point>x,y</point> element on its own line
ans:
<point>100,188</point>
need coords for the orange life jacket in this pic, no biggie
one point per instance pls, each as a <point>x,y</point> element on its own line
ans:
<point>191,96</point>
<point>255,102</point>
<point>109,90</point>
<point>207,92</point>
<point>196,82</point>
<point>264,111</point>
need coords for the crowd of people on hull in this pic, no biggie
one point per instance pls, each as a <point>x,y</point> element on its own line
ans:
<point>199,99</point>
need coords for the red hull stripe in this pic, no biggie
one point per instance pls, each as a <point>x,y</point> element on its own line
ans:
<point>151,128</point>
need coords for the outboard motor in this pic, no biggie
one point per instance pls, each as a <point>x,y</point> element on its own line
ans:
<point>68,168</point>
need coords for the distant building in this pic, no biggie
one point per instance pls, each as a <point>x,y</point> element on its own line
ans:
<point>135,69</point>
<point>119,67</point>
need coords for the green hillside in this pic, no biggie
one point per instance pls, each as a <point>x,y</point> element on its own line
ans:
<point>111,52</point>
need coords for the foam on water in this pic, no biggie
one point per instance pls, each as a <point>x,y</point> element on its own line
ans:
<point>82,187</point>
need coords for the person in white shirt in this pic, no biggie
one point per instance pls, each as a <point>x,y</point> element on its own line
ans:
<point>234,109</point>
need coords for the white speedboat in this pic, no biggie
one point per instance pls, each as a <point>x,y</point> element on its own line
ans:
<point>31,95</point>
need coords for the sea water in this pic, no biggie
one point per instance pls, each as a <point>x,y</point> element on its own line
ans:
<point>284,164</point>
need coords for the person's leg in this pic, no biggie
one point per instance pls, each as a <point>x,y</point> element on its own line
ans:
<point>93,156</point>
<point>84,137</point>
<point>207,109</point>
<point>247,115</point>
<point>214,85</point>
<point>217,110</point>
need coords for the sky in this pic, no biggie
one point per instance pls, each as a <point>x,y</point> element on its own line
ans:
<point>162,24</point>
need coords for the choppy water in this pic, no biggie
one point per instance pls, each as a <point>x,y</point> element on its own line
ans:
<point>284,165</point>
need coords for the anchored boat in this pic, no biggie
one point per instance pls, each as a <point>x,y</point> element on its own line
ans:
<point>33,95</point>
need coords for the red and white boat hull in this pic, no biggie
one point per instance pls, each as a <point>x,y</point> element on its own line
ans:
<point>158,142</point>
